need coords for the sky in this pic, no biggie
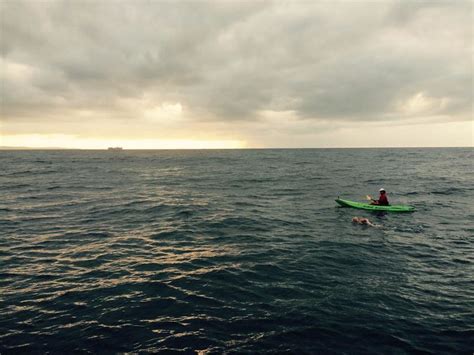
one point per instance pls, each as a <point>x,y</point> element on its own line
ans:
<point>236,74</point>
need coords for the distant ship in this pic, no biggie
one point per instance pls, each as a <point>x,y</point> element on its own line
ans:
<point>114,148</point>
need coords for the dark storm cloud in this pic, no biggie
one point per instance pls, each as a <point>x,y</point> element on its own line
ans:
<point>229,61</point>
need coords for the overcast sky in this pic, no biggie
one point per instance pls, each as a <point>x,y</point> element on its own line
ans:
<point>154,74</point>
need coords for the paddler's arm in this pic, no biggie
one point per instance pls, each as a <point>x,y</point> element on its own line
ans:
<point>371,199</point>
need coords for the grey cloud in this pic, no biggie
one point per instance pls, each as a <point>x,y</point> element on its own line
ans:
<point>227,61</point>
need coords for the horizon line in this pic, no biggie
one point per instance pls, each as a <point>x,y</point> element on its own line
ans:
<point>247,148</point>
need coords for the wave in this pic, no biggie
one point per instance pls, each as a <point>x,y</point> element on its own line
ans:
<point>233,255</point>
<point>450,191</point>
<point>28,173</point>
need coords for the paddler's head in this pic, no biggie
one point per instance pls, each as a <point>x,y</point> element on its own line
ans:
<point>382,191</point>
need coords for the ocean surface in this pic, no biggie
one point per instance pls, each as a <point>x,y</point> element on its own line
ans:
<point>237,251</point>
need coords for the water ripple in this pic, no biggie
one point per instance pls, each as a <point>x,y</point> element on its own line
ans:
<point>234,252</point>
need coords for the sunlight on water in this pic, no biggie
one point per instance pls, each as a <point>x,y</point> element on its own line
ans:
<point>245,251</point>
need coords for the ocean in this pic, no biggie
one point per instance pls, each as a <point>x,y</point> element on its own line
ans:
<point>235,251</point>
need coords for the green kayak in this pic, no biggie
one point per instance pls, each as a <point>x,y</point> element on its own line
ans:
<point>369,207</point>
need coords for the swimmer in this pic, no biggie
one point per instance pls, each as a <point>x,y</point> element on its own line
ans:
<point>363,221</point>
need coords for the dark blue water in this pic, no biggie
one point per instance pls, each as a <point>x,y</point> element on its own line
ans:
<point>235,251</point>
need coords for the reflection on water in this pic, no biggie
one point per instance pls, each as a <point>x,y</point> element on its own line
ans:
<point>213,251</point>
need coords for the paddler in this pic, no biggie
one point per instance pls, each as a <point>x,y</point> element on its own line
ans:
<point>382,201</point>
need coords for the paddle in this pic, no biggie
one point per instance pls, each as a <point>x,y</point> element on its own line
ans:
<point>368,197</point>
